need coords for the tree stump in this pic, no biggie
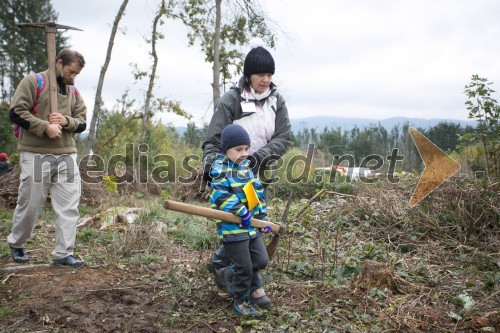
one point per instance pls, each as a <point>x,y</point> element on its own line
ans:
<point>377,275</point>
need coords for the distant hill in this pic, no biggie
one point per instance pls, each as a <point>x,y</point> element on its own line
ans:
<point>180,130</point>
<point>320,122</point>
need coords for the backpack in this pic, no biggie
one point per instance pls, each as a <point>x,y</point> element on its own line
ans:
<point>40,86</point>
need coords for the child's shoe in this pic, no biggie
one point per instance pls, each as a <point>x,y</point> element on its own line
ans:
<point>243,307</point>
<point>260,299</point>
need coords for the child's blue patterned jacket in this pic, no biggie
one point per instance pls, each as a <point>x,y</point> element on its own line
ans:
<point>228,179</point>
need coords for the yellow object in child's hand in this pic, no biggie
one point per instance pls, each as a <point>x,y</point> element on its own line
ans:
<point>251,195</point>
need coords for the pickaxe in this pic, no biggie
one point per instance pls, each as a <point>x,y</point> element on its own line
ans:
<point>50,33</point>
<point>277,228</point>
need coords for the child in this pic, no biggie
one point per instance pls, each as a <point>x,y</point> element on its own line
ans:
<point>243,243</point>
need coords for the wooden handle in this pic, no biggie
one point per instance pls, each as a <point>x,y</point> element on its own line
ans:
<point>50,34</point>
<point>216,214</point>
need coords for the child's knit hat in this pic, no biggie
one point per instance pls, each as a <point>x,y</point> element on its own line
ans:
<point>233,135</point>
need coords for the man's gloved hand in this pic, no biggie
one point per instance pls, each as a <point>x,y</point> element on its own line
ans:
<point>266,229</point>
<point>206,173</point>
<point>246,220</point>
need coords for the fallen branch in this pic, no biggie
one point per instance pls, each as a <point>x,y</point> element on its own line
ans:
<point>7,278</point>
<point>316,196</point>
<point>111,289</point>
<point>24,267</point>
<point>341,194</point>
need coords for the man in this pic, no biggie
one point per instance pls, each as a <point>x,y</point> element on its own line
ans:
<point>48,157</point>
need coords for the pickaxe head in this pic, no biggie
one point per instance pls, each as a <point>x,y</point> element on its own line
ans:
<point>48,26</point>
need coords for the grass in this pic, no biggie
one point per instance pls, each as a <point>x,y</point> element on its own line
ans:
<point>318,260</point>
<point>144,259</point>
<point>6,312</point>
<point>154,231</point>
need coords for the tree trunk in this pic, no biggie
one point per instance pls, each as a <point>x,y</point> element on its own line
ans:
<point>98,98</point>
<point>216,66</point>
<point>149,94</point>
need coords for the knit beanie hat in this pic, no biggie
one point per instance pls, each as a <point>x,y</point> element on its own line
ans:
<point>3,157</point>
<point>258,60</point>
<point>233,135</point>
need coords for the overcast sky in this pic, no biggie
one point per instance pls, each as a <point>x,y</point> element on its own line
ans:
<point>359,58</point>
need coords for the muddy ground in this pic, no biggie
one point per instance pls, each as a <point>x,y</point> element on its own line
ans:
<point>179,296</point>
<point>141,279</point>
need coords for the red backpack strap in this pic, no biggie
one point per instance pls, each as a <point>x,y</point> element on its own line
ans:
<point>40,85</point>
<point>73,90</point>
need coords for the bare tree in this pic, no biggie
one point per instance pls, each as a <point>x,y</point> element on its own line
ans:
<point>221,27</point>
<point>149,94</point>
<point>159,104</point>
<point>98,95</point>
<point>216,66</point>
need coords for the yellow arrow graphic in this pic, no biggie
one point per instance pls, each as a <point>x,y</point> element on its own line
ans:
<point>438,167</point>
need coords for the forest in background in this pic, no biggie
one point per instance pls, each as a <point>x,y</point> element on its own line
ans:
<point>212,27</point>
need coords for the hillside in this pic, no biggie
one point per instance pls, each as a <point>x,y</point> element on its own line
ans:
<point>320,122</point>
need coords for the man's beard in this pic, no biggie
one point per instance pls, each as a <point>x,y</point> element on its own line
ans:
<point>62,80</point>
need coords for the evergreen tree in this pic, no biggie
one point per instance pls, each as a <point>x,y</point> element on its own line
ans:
<point>332,142</point>
<point>7,138</point>
<point>194,136</point>
<point>23,50</point>
<point>445,135</point>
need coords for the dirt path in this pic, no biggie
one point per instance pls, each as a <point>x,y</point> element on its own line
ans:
<point>84,300</point>
<point>154,299</point>
<point>93,300</point>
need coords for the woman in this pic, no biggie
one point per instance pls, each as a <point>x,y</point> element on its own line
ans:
<point>255,105</point>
